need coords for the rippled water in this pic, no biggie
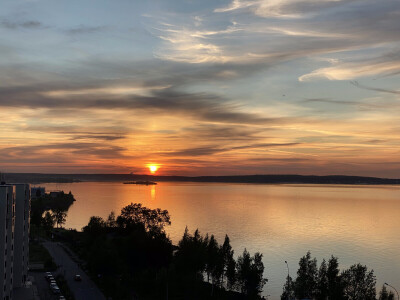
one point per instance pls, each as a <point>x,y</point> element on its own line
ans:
<point>355,223</point>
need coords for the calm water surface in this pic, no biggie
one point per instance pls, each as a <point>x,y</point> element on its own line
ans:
<point>354,223</point>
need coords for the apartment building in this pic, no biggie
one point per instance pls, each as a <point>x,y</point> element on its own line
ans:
<point>14,237</point>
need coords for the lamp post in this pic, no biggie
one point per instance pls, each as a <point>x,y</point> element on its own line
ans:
<point>288,282</point>
<point>394,289</point>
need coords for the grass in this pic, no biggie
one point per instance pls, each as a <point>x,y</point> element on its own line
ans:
<point>39,254</point>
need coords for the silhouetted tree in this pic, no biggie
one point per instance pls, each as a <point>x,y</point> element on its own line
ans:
<point>95,226</point>
<point>227,254</point>
<point>136,215</point>
<point>191,255</point>
<point>60,216</point>
<point>306,282</point>
<point>288,289</point>
<point>250,274</point>
<point>111,220</point>
<point>335,289</point>
<point>48,221</point>
<point>359,284</point>
<point>322,282</point>
<point>385,295</point>
<point>231,274</point>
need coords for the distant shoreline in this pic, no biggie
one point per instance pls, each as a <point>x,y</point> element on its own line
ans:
<point>37,178</point>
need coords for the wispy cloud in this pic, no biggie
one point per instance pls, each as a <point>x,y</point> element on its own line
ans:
<point>84,29</point>
<point>278,8</point>
<point>361,86</point>
<point>22,24</point>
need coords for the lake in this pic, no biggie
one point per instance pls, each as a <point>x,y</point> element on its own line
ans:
<point>358,224</point>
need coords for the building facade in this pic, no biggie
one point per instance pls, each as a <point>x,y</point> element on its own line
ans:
<point>21,234</point>
<point>14,237</point>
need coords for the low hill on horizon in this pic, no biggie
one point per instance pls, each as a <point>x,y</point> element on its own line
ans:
<point>36,178</point>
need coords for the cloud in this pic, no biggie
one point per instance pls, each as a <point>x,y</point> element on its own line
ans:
<point>210,150</point>
<point>84,29</point>
<point>361,86</point>
<point>60,152</point>
<point>23,24</point>
<point>202,106</point>
<point>279,8</point>
<point>352,70</point>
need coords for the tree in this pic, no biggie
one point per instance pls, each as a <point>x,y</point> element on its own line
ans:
<point>306,282</point>
<point>191,255</point>
<point>250,274</point>
<point>95,226</point>
<point>227,255</point>
<point>60,217</point>
<point>231,274</point>
<point>384,295</point>
<point>335,289</point>
<point>134,215</point>
<point>359,284</point>
<point>48,221</point>
<point>288,291</point>
<point>322,282</point>
<point>111,221</point>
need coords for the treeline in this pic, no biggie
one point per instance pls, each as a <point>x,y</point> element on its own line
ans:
<point>131,257</point>
<point>198,255</point>
<point>328,282</point>
<point>48,211</point>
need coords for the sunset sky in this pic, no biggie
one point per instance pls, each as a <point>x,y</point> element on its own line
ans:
<point>200,87</point>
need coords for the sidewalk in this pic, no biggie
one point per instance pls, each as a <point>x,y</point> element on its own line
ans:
<point>27,292</point>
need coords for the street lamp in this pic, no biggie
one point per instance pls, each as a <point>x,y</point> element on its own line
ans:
<point>394,289</point>
<point>288,283</point>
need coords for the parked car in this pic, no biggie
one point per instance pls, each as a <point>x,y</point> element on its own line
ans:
<point>78,278</point>
<point>55,290</point>
<point>48,275</point>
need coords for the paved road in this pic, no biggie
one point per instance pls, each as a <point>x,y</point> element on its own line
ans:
<point>83,290</point>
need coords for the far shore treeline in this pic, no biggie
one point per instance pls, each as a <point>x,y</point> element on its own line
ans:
<point>37,178</point>
<point>130,256</point>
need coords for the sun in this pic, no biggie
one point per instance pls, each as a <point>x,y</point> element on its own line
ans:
<point>153,168</point>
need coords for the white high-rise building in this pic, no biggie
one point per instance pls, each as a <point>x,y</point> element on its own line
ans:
<point>14,237</point>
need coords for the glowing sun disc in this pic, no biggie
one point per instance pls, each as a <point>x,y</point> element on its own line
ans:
<point>153,168</point>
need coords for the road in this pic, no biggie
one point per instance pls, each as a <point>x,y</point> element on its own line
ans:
<point>82,290</point>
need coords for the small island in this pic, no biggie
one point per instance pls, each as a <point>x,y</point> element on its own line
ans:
<point>145,182</point>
